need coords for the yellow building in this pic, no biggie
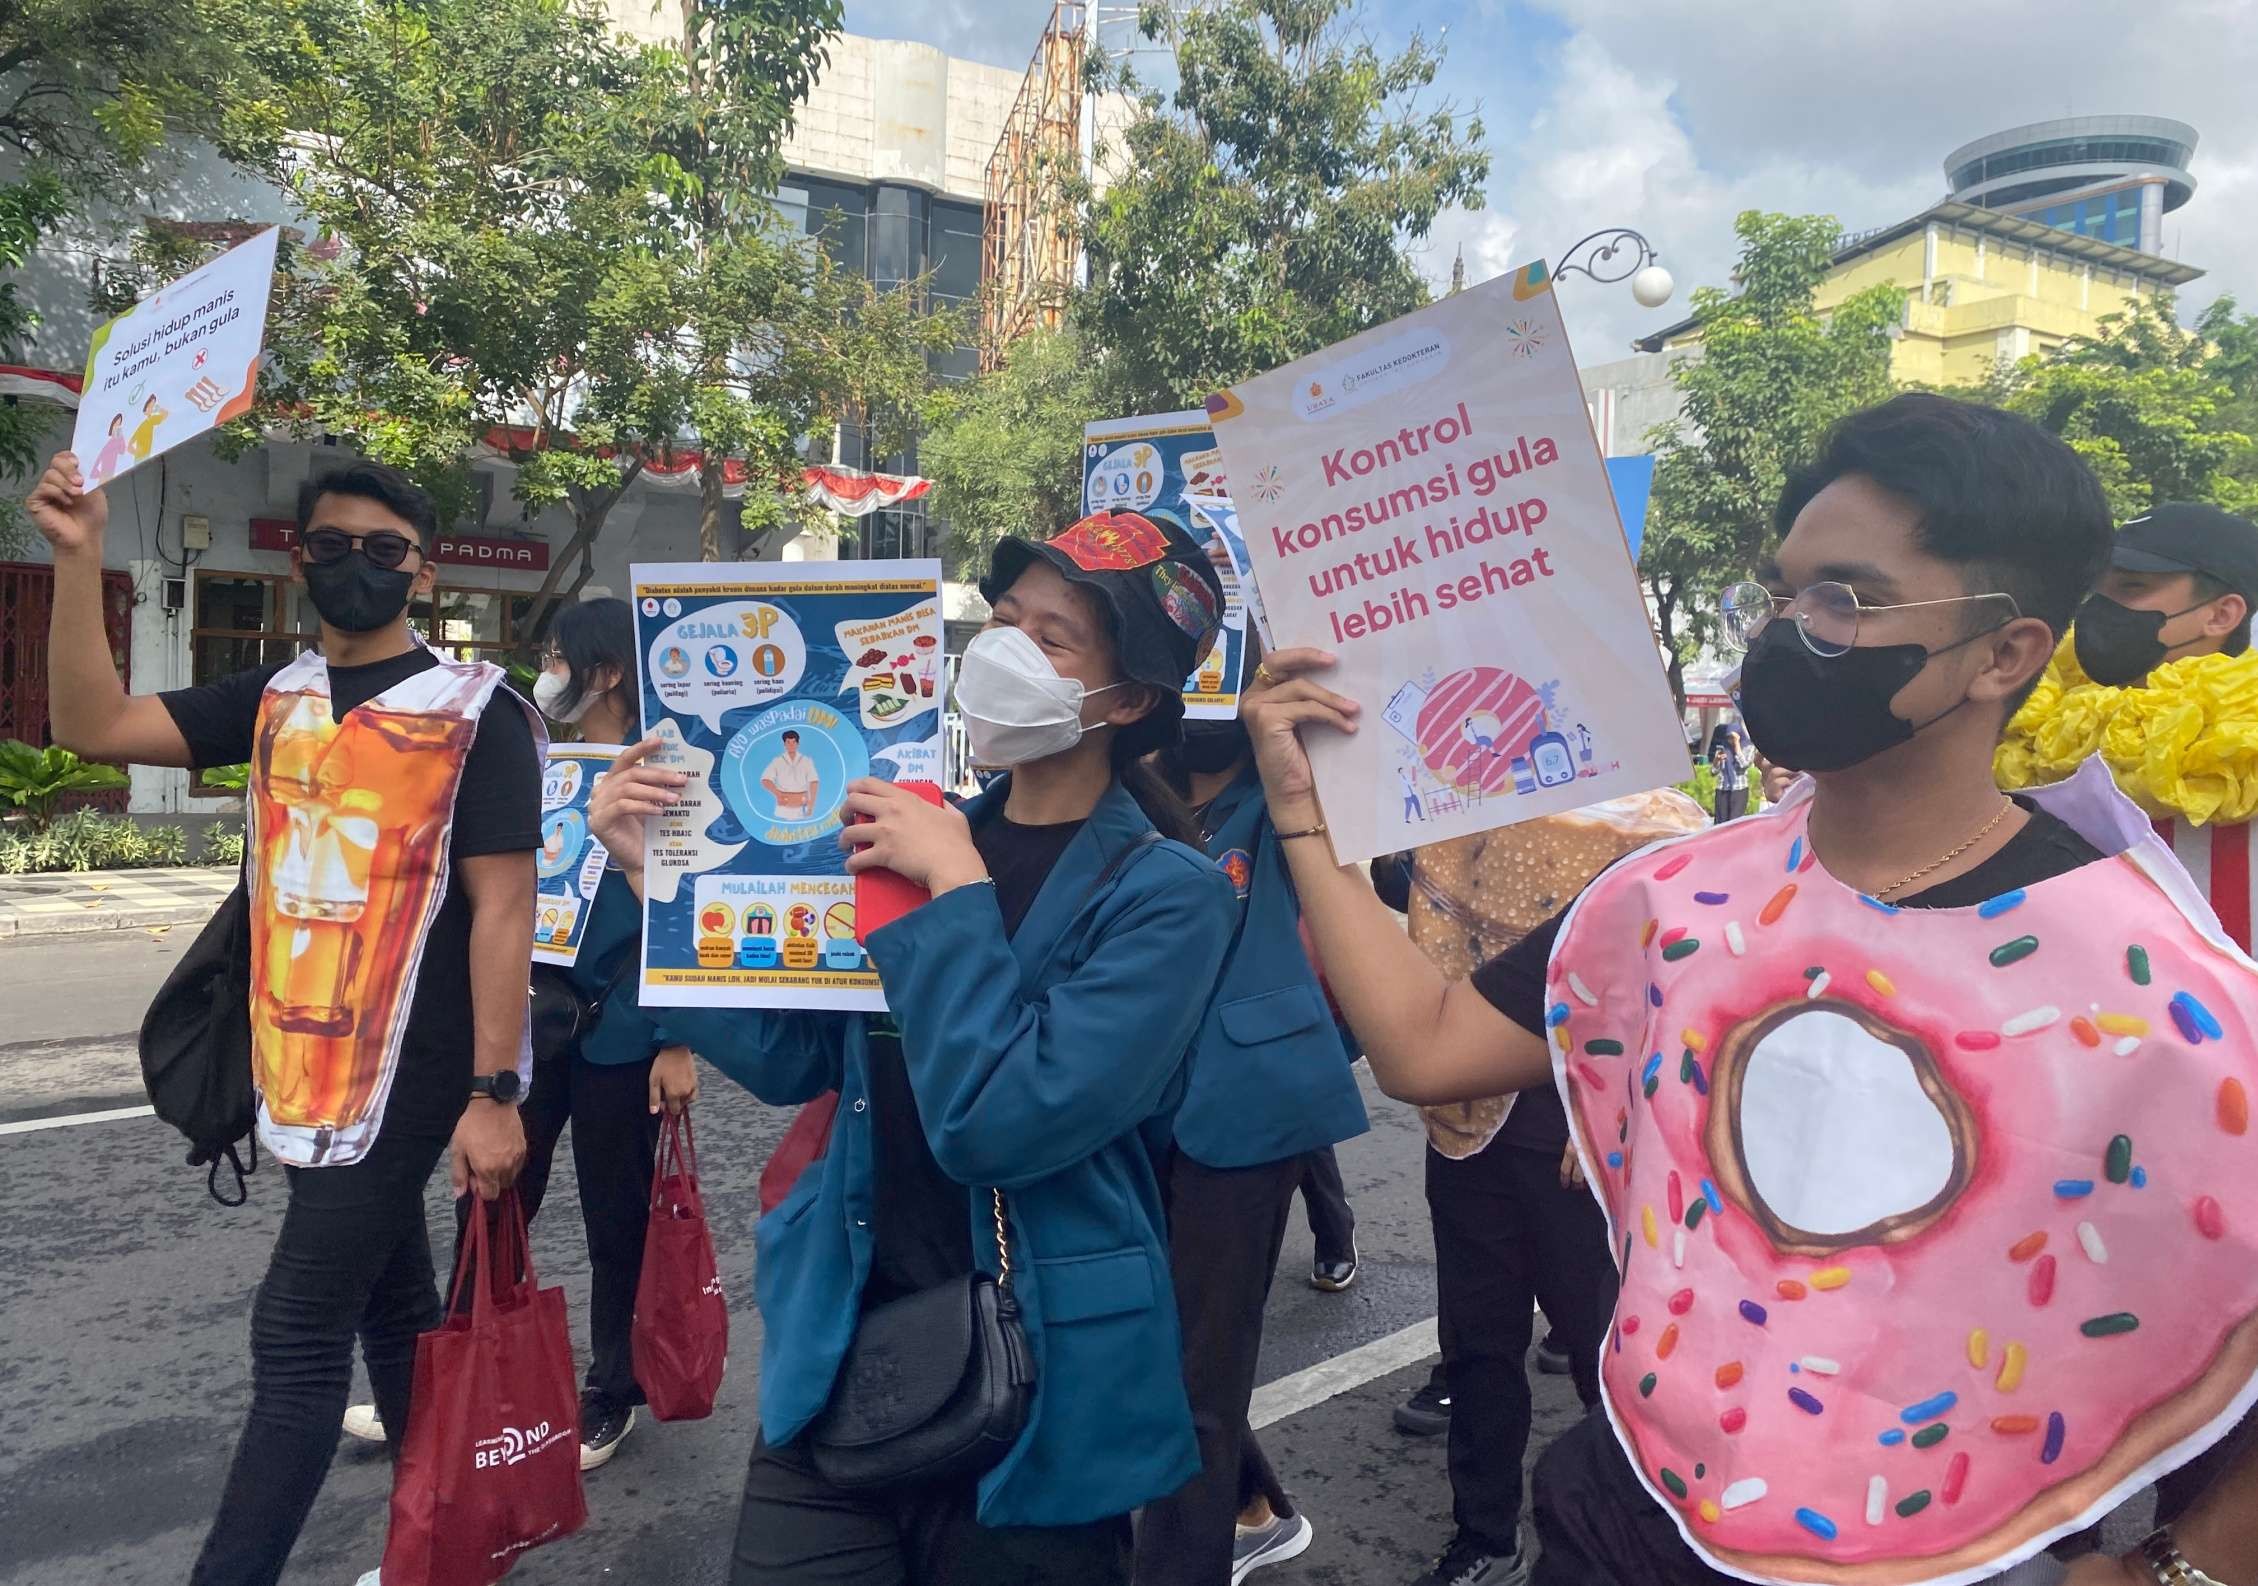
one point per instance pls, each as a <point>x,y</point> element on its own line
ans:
<point>1981,285</point>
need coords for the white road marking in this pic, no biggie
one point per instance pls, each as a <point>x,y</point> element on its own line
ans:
<point>30,1125</point>
<point>1275,1401</point>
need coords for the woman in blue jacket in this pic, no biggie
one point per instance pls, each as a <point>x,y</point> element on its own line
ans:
<point>610,1081</point>
<point>1269,1084</point>
<point>1043,1002</point>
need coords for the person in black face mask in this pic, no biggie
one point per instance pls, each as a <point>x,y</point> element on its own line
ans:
<point>1931,557</point>
<point>352,1259</point>
<point>2181,582</point>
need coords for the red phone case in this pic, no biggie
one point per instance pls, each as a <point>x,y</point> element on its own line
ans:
<point>884,896</point>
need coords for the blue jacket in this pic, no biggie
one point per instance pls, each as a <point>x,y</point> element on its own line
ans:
<point>1045,1065</point>
<point>611,944</point>
<point>1270,1075</point>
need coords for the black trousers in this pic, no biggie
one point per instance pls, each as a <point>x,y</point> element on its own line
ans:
<point>1225,1226</point>
<point>1597,1526</point>
<point>353,1259</point>
<point>1331,1224</point>
<point>1730,804</point>
<point>796,1529</point>
<point>1509,1235</point>
<point>614,1143</point>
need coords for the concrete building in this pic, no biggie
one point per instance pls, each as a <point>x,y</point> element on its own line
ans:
<point>2111,177</point>
<point>886,166</point>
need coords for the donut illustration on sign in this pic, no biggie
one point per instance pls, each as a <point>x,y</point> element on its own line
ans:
<point>1475,723</point>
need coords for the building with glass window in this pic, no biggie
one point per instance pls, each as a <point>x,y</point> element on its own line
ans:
<point>2113,178</point>
<point>887,165</point>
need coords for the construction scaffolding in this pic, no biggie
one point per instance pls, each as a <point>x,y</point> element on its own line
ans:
<point>1030,250</point>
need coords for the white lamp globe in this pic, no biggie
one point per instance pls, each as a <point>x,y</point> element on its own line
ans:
<point>1652,286</point>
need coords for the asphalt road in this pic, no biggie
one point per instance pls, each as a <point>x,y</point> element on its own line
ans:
<point>125,1377</point>
<point>124,1374</point>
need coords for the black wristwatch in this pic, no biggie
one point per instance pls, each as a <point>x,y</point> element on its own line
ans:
<point>504,1087</point>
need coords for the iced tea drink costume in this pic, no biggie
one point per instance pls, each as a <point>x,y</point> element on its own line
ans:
<point>1935,1224</point>
<point>349,827</point>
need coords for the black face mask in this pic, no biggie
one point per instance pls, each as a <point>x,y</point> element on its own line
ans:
<point>2117,644</point>
<point>1211,746</point>
<point>354,595</point>
<point>1809,712</point>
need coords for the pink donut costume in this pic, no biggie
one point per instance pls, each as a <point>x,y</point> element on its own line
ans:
<point>1935,1225</point>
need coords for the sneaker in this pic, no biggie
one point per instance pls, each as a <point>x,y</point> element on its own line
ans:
<point>362,1421</point>
<point>1467,1562</point>
<point>603,1427</point>
<point>1276,1540</point>
<point>1552,1360</point>
<point>373,1578</point>
<point>1331,1277</point>
<point>1427,1412</point>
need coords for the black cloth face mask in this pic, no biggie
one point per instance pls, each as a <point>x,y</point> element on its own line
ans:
<point>1211,746</point>
<point>354,595</point>
<point>1808,712</point>
<point>2118,645</point>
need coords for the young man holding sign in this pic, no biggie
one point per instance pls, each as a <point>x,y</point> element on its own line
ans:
<point>394,810</point>
<point>1828,1070</point>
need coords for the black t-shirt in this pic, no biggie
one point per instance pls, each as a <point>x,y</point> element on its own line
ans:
<point>922,1239</point>
<point>497,810</point>
<point>1514,981</point>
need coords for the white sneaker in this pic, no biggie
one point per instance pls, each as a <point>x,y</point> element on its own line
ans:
<point>361,1421</point>
<point>372,1578</point>
<point>1273,1542</point>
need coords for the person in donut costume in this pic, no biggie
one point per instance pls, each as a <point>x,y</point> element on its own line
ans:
<point>1920,1113</point>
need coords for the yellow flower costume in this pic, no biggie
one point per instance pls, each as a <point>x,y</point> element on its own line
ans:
<point>2183,746</point>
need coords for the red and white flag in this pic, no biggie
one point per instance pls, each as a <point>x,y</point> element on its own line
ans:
<point>2218,857</point>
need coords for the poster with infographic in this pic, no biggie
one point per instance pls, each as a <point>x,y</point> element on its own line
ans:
<point>181,361</point>
<point>773,685</point>
<point>1426,501</point>
<point>1160,464</point>
<point>571,862</point>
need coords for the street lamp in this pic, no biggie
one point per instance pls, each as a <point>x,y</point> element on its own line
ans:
<point>1651,284</point>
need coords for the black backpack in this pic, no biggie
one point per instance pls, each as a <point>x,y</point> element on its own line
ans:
<point>196,1047</point>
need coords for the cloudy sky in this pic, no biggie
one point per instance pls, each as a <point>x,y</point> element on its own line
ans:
<point>1674,115</point>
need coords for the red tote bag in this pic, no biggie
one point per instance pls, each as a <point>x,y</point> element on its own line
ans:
<point>680,1343</point>
<point>491,1465</point>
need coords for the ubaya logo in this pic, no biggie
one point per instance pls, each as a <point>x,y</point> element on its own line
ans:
<point>514,1445</point>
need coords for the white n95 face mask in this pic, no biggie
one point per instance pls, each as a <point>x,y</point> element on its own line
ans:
<point>1016,707</point>
<point>549,690</point>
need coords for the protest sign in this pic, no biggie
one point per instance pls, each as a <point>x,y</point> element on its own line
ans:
<point>179,362</point>
<point>774,685</point>
<point>571,862</point>
<point>1426,501</point>
<point>1161,463</point>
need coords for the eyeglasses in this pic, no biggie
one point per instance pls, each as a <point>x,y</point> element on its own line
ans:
<point>384,548</point>
<point>1826,615</point>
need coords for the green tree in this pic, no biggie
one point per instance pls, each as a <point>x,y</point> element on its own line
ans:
<point>2153,408</point>
<point>1265,209</point>
<point>1770,374</point>
<point>520,260</point>
<point>1004,452</point>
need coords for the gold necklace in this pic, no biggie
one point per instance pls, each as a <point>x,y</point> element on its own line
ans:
<point>1946,858</point>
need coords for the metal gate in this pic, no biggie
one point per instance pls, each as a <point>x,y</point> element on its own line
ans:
<point>27,592</point>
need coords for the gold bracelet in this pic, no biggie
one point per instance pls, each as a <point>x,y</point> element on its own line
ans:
<point>1312,831</point>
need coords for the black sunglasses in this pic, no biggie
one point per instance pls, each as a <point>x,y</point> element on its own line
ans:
<point>384,548</point>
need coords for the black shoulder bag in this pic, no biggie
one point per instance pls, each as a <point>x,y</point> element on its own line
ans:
<point>936,1385</point>
<point>196,1048</point>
